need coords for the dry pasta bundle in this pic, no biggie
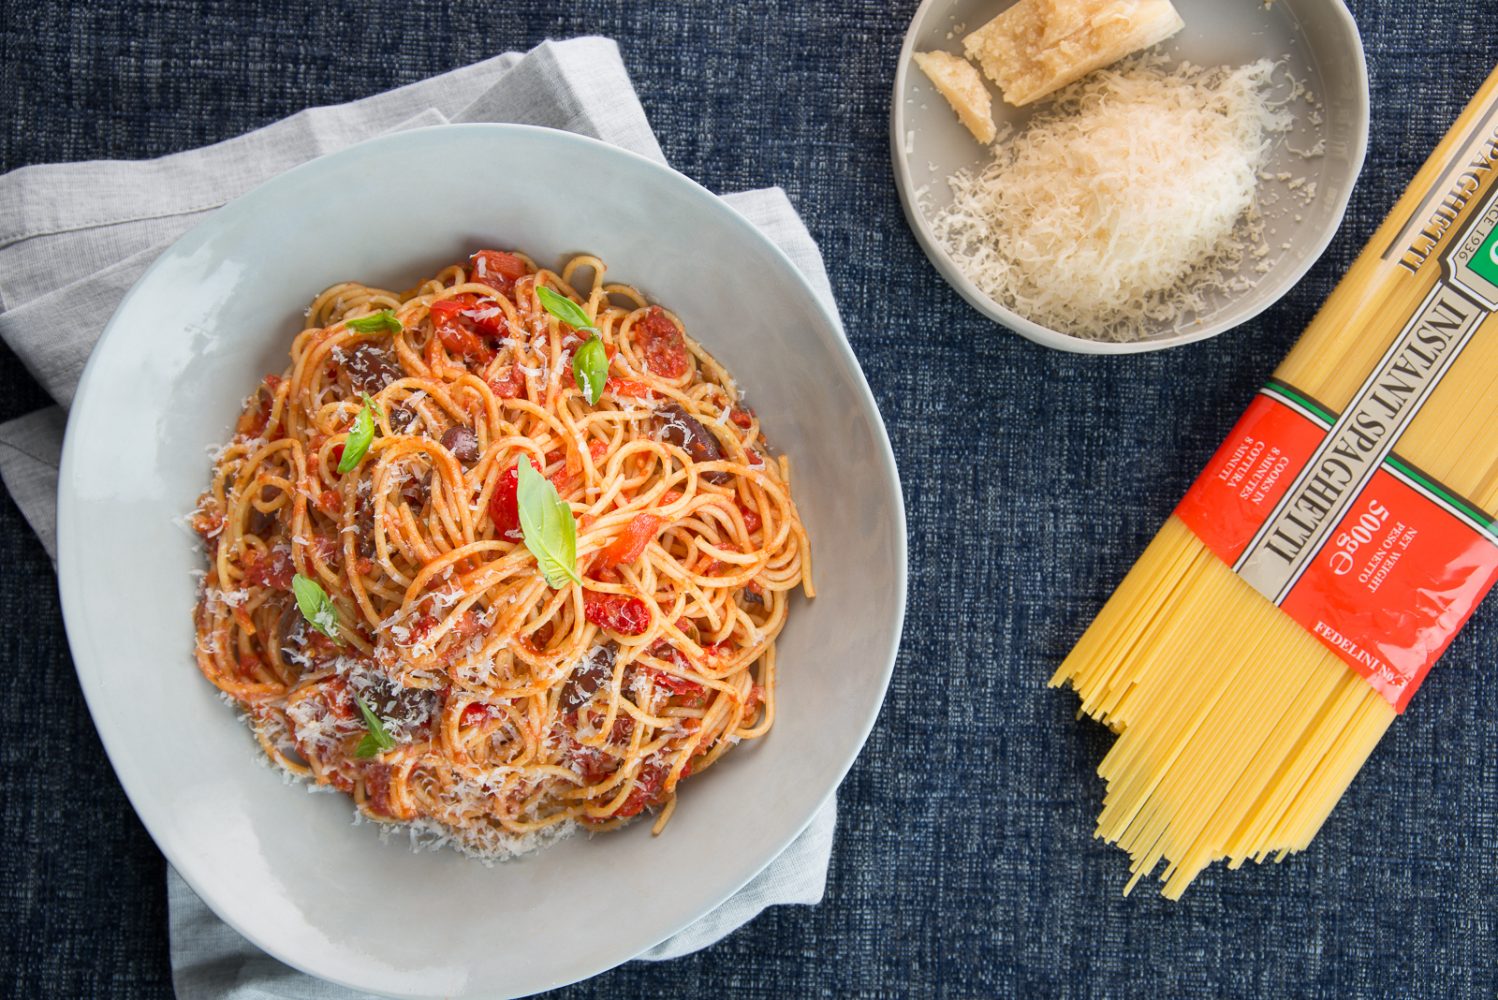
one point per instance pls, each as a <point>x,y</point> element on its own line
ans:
<point>1326,555</point>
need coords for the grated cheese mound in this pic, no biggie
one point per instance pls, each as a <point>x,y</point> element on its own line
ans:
<point>1125,204</point>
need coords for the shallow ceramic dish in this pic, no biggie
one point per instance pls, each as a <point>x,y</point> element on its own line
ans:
<point>217,311</point>
<point>1322,52</point>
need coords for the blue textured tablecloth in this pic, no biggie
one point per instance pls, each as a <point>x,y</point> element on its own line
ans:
<point>965,863</point>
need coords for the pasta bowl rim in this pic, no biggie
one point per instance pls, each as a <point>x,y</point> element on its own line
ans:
<point>104,436</point>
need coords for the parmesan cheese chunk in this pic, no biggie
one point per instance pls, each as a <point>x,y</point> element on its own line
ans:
<point>1039,46</point>
<point>957,81</point>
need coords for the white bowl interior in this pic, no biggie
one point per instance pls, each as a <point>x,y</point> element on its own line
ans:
<point>190,342</point>
<point>1319,43</point>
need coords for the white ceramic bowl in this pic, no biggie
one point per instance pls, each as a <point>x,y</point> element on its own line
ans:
<point>217,311</point>
<point>1322,51</point>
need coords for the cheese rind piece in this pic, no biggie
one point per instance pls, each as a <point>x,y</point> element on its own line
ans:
<point>1039,46</point>
<point>957,81</point>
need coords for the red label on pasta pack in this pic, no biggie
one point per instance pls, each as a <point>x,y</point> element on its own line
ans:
<point>1249,474</point>
<point>1385,579</point>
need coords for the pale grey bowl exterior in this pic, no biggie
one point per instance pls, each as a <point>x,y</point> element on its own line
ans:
<point>217,311</point>
<point>1319,42</point>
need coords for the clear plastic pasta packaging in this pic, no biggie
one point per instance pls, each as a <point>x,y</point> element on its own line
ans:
<point>1327,554</point>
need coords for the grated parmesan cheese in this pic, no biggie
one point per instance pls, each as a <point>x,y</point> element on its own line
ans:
<point>1124,204</point>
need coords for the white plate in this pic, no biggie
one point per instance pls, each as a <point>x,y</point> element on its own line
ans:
<point>1319,43</point>
<point>215,313</point>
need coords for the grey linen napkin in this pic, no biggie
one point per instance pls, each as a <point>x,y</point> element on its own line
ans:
<point>74,237</point>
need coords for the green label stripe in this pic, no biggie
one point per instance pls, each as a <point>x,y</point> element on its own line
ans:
<point>1300,399</point>
<point>1466,509</point>
<point>1485,260</point>
<point>1484,522</point>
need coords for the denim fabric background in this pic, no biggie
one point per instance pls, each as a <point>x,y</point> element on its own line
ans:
<point>965,864</point>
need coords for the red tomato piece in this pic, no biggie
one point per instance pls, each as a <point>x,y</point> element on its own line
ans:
<point>475,314</point>
<point>591,765</point>
<point>422,627</point>
<point>253,422</point>
<point>624,388</point>
<point>473,713</point>
<point>562,478</point>
<point>453,321</point>
<point>509,385</point>
<point>377,788</point>
<point>504,503</point>
<point>631,542</point>
<point>486,317</point>
<point>649,783</point>
<point>208,524</point>
<point>330,502</point>
<point>741,417</point>
<point>273,570</point>
<point>325,547</point>
<point>617,612</point>
<point>497,269</point>
<point>597,449</point>
<point>467,625</point>
<point>339,701</point>
<point>662,344</point>
<point>751,518</point>
<point>679,686</point>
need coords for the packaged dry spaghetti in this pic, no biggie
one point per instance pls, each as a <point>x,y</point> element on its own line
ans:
<point>1325,557</point>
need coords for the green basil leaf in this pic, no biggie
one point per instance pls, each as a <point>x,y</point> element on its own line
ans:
<point>565,309</point>
<point>590,369</point>
<point>546,524</point>
<point>316,606</point>
<point>382,320</point>
<point>360,438</point>
<point>378,739</point>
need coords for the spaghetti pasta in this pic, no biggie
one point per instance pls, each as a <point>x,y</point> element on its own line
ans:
<point>439,678</point>
<point>1239,726</point>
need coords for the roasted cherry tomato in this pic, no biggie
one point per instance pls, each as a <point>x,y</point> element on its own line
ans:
<point>462,322</point>
<point>504,504</point>
<point>510,384</point>
<point>497,269</point>
<point>662,344</point>
<point>617,612</point>
<point>631,542</point>
<point>270,570</point>
<point>649,784</point>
